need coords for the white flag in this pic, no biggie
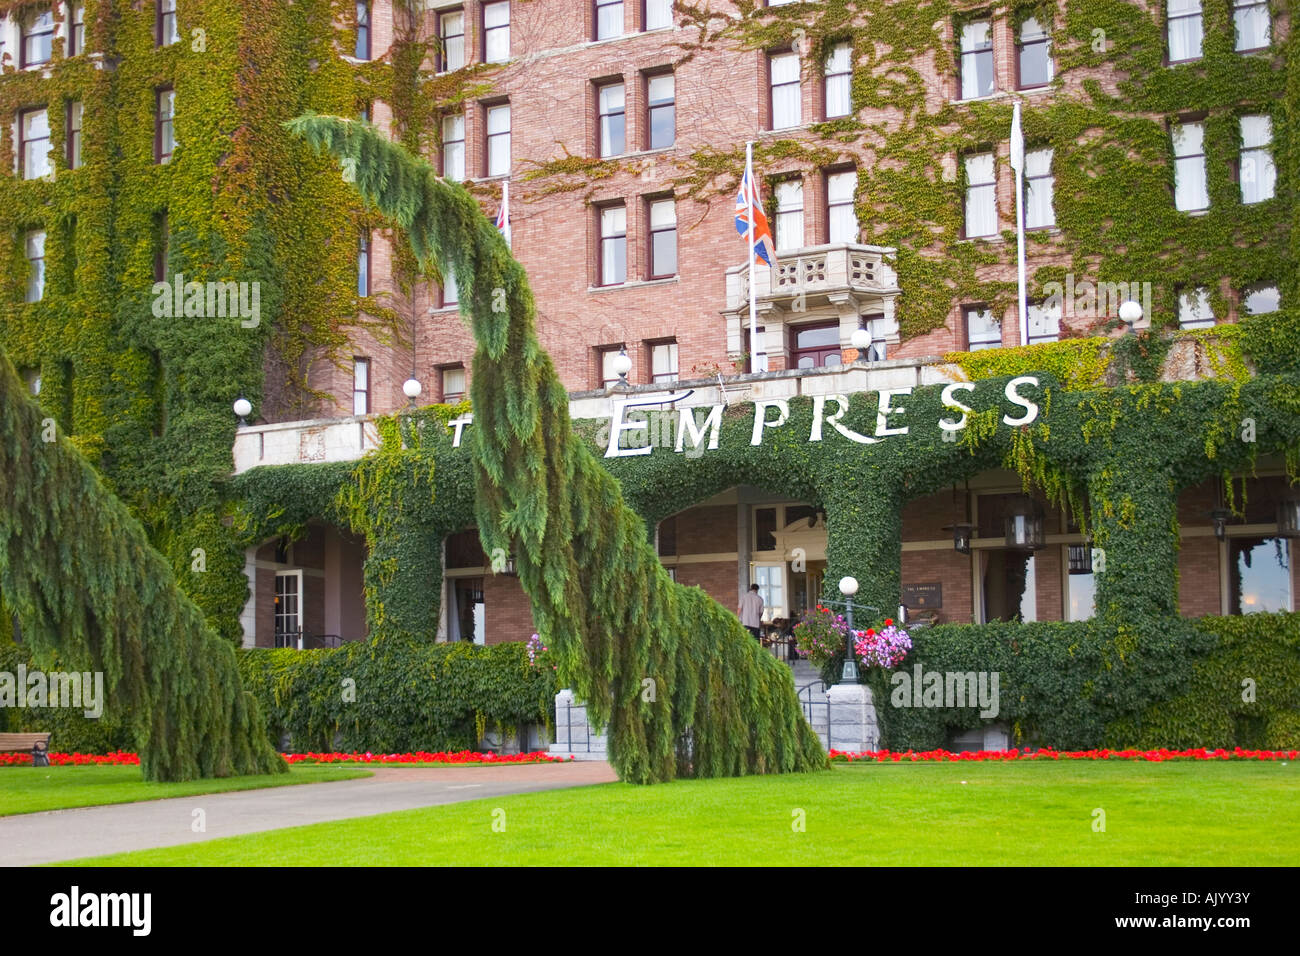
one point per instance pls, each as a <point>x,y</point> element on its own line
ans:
<point>1017,140</point>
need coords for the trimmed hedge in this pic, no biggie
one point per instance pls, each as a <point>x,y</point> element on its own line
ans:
<point>406,696</point>
<point>1078,686</point>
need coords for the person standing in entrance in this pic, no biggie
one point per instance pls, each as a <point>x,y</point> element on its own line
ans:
<point>751,610</point>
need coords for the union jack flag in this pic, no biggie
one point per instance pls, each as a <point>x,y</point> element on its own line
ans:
<point>764,246</point>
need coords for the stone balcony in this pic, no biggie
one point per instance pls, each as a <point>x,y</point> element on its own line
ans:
<point>805,279</point>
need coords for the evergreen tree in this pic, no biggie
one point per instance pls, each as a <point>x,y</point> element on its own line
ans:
<point>684,689</point>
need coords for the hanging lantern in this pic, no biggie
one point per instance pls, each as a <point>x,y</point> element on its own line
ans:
<point>1025,525</point>
<point>961,534</point>
<point>1219,517</point>
<point>1080,559</point>
<point>1288,515</point>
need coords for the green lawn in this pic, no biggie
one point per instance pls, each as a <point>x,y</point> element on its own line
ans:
<point>27,789</point>
<point>1193,813</point>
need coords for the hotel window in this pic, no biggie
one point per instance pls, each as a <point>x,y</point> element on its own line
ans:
<point>1033,56</point>
<point>37,40</point>
<point>838,73</point>
<point>981,196</point>
<point>982,330</point>
<point>976,59</point>
<point>361,386</point>
<point>658,14</point>
<point>164,135</point>
<point>663,238</point>
<point>453,384</point>
<point>362,52</point>
<point>450,291</point>
<point>1081,590</point>
<point>451,31</point>
<point>1185,30</point>
<point>496,32</point>
<point>663,362</point>
<point>613,119</point>
<point>1190,190</point>
<point>816,346</point>
<point>453,147</point>
<point>661,97</point>
<point>609,19</point>
<point>287,618</point>
<point>1039,185</point>
<point>167,30</point>
<point>363,264</point>
<point>77,30</point>
<point>606,356</point>
<point>1258,174</point>
<point>35,265</point>
<point>32,379</point>
<point>365,112</point>
<point>72,133</point>
<point>498,140</point>
<point>878,350</point>
<point>1260,575</point>
<point>755,363</point>
<point>1261,299</point>
<point>783,69</point>
<point>34,143</point>
<point>789,215</point>
<point>1044,321</point>
<point>1252,25</point>
<point>1194,310</point>
<point>613,245</point>
<point>841,218</point>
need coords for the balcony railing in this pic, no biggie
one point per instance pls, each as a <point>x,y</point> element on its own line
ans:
<point>303,641</point>
<point>818,272</point>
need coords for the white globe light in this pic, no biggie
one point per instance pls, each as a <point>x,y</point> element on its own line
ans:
<point>861,339</point>
<point>848,586</point>
<point>412,388</point>
<point>243,407</point>
<point>1130,311</point>
<point>622,364</point>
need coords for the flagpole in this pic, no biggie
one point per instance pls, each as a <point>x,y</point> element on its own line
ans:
<point>1018,164</point>
<point>505,206</point>
<point>753,301</point>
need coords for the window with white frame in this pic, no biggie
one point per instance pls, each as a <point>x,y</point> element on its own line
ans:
<point>663,362</point>
<point>981,196</point>
<point>1252,25</point>
<point>1261,299</point>
<point>453,147</point>
<point>77,30</point>
<point>450,292</point>
<point>841,218</point>
<point>35,249</point>
<point>37,40</point>
<point>451,33</point>
<point>498,140</point>
<point>608,355</point>
<point>983,331</point>
<point>453,384</point>
<point>611,106</point>
<point>1044,320</point>
<point>1185,30</point>
<point>168,30</point>
<point>789,214</point>
<point>1258,174</point>
<point>34,143</point>
<point>363,264</point>
<point>362,51</point>
<point>609,19</point>
<point>839,63</point>
<point>288,608</point>
<point>658,14</point>
<point>1039,187</point>
<point>661,99</point>
<point>164,140</point>
<point>361,386</point>
<point>1033,56</point>
<point>613,245</point>
<point>1194,310</point>
<point>663,239</point>
<point>496,32</point>
<point>783,69</point>
<point>976,59</point>
<point>1191,192</point>
<point>878,351</point>
<point>72,134</point>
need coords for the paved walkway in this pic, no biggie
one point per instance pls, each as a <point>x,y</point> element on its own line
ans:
<point>31,838</point>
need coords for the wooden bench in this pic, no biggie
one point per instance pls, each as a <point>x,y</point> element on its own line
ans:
<point>38,745</point>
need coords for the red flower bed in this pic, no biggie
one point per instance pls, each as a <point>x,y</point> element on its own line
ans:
<point>1149,756</point>
<point>463,756</point>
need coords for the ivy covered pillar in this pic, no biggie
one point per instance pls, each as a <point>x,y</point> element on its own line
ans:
<point>1135,529</point>
<point>864,526</point>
